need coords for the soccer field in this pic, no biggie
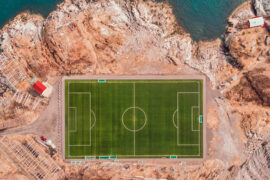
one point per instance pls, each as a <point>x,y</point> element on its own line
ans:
<point>108,119</point>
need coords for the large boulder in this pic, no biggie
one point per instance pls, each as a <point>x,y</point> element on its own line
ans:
<point>262,7</point>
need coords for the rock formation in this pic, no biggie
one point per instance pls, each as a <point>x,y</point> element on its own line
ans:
<point>87,38</point>
<point>143,37</point>
<point>262,7</point>
<point>257,166</point>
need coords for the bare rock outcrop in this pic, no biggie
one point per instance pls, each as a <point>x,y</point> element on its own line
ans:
<point>248,93</point>
<point>254,86</point>
<point>257,166</point>
<point>259,80</point>
<point>248,46</point>
<point>126,31</point>
<point>22,56</point>
<point>262,7</point>
<point>142,37</point>
<point>119,37</point>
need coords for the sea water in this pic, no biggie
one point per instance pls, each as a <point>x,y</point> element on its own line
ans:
<point>10,8</point>
<point>203,19</point>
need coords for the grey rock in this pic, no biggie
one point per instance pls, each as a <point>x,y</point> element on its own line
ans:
<point>234,78</point>
<point>267,41</point>
<point>257,165</point>
<point>163,169</point>
<point>261,58</point>
<point>262,7</point>
<point>126,166</point>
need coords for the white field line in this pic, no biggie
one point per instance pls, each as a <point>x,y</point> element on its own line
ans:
<point>90,129</point>
<point>199,104</point>
<point>134,104</point>
<point>151,155</point>
<point>68,124</point>
<point>130,82</point>
<point>193,119</point>
<point>126,155</point>
<point>174,123</point>
<point>177,131</point>
<point>75,119</point>
<point>188,144</point>
<point>189,92</point>
<point>134,110</point>
<point>132,130</point>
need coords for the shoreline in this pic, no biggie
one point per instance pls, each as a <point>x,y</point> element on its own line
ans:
<point>179,28</point>
<point>139,39</point>
<point>244,5</point>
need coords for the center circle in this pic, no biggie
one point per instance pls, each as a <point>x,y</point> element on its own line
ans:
<point>134,119</point>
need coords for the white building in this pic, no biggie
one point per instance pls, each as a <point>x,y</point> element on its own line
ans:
<point>256,21</point>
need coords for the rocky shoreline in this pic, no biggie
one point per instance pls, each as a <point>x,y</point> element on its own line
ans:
<point>143,37</point>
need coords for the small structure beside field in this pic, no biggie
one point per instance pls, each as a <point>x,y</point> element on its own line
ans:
<point>256,21</point>
<point>43,89</point>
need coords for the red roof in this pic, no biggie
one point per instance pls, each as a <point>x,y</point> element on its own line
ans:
<point>39,87</point>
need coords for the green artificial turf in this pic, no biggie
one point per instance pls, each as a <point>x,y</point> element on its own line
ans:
<point>100,119</point>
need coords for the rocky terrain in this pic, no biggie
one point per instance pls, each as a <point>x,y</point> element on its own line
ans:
<point>142,37</point>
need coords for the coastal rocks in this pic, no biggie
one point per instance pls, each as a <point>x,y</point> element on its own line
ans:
<point>118,37</point>
<point>250,100</point>
<point>248,45</point>
<point>239,17</point>
<point>259,80</point>
<point>243,93</point>
<point>22,56</point>
<point>248,96</point>
<point>22,42</point>
<point>127,31</point>
<point>212,168</point>
<point>142,37</point>
<point>262,7</point>
<point>243,45</point>
<point>254,87</point>
<point>209,59</point>
<point>257,167</point>
<point>267,41</point>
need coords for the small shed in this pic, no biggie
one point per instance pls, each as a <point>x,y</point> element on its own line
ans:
<point>39,87</point>
<point>256,21</point>
<point>50,143</point>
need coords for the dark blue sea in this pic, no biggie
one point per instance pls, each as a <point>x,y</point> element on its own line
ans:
<point>203,19</point>
<point>10,8</point>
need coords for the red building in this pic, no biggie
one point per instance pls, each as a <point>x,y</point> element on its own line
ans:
<point>39,87</point>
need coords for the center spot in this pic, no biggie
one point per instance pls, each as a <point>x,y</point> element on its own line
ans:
<point>134,119</point>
